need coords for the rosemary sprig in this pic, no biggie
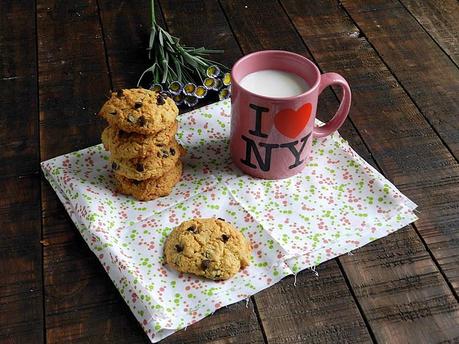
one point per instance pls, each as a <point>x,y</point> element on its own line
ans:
<point>172,61</point>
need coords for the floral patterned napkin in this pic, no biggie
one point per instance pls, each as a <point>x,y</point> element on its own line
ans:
<point>336,205</point>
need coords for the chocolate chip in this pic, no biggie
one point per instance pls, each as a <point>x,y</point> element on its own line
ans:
<point>219,218</point>
<point>136,182</point>
<point>122,134</point>
<point>172,150</point>
<point>113,112</point>
<point>119,93</point>
<point>179,248</point>
<point>131,119</point>
<point>139,167</point>
<point>160,100</point>
<point>141,121</point>
<point>225,238</point>
<point>165,154</point>
<point>138,105</point>
<point>192,229</point>
<point>114,166</point>
<point>205,264</point>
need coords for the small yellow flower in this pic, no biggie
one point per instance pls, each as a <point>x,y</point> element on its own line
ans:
<point>200,92</point>
<point>189,89</point>
<point>213,71</point>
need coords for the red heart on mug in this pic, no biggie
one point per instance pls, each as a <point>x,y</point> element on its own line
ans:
<point>290,122</point>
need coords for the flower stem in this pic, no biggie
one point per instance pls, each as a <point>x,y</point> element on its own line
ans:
<point>153,18</point>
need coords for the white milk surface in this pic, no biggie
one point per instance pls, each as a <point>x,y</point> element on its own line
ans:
<point>274,83</point>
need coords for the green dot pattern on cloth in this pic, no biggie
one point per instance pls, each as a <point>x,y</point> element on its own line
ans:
<point>337,204</point>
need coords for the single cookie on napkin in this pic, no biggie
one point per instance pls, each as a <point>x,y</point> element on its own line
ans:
<point>211,248</point>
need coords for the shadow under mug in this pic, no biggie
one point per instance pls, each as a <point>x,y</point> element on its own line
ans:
<point>271,138</point>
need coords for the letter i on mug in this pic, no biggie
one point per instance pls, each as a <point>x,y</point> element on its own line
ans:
<point>273,108</point>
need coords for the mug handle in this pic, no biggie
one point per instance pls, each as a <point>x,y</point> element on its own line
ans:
<point>329,79</point>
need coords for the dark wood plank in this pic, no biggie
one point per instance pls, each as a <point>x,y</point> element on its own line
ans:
<point>207,26</point>
<point>427,74</point>
<point>73,75</point>
<point>82,304</point>
<point>21,293</point>
<point>126,31</point>
<point>314,309</point>
<point>401,291</point>
<point>397,136</point>
<point>433,86</point>
<point>18,89</point>
<point>223,327</point>
<point>440,18</point>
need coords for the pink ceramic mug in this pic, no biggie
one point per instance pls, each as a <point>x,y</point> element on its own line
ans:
<point>271,138</point>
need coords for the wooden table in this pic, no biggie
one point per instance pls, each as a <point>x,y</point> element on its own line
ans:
<point>59,59</point>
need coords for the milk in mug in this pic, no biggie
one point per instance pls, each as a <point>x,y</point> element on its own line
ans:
<point>274,83</point>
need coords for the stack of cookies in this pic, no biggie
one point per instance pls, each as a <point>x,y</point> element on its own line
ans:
<point>141,139</point>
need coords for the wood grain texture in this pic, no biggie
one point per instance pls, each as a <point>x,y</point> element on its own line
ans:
<point>18,89</point>
<point>236,324</point>
<point>126,31</point>
<point>82,304</point>
<point>21,293</point>
<point>397,128</point>
<point>434,172</point>
<point>314,309</point>
<point>440,19</point>
<point>401,292</point>
<point>73,75</point>
<point>427,74</point>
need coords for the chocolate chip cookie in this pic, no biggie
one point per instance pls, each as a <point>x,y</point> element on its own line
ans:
<point>124,145</point>
<point>153,166</point>
<point>149,189</point>
<point>139,110</point>
<point>211,248</point>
